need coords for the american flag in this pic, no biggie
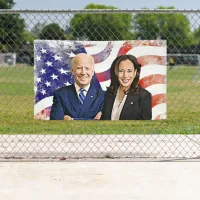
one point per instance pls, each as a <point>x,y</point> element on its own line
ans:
<point>52,60</point>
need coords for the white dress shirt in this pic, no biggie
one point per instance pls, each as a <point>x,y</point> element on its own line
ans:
<point>117,107</point>
<point>78,89</point>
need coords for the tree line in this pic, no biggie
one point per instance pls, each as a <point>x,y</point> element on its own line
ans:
<point>175,28</point>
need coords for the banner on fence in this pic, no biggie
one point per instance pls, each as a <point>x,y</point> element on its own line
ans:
<point>52,69</point>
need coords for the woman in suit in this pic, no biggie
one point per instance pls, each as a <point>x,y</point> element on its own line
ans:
<point>125,99</point>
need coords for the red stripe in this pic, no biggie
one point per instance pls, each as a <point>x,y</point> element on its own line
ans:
<point>127,46</point>
<point>158,99</point>
<point>147,60</point>
<point>152,79</point>
<point>103,76</point>
<point>158,116</point>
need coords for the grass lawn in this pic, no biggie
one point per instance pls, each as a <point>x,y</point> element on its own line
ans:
<point>17,102</point>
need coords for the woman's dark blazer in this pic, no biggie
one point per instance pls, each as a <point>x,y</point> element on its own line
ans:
<point>136,107</point>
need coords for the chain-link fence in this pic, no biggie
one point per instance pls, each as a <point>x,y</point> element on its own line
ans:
<point>176,137</point>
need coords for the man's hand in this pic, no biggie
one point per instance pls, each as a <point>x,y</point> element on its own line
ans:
<point>67,117</point>
<point>98,116</point>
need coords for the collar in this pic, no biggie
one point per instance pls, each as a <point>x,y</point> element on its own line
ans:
<point>78,88</point>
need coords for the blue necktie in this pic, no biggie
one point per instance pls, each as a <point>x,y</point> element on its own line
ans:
<point>82,95</point>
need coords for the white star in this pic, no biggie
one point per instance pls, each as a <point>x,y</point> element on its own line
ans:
<point>43,50</point>
<point>54,76</point>
<point>56,57</point>
<point>48,84</point>
<point>48,63</point>
<point>67,83</point>
<point>43,92</point>
<point>38,80</point>
<point>43,71</point>
<point>71,54</point>
<point>35,89</point>
<point>38,58</point>
<point>62,71</point>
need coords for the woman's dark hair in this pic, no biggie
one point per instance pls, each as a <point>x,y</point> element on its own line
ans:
<point>114,85</point>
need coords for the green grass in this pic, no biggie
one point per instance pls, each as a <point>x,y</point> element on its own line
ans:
<point>17,102</point>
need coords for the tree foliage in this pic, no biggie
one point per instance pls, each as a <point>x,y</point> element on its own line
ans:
<point>101,26</point>
<point>197,36</point>
<point>175,28</point>
<point>52,32</point>
<point>11,29</point>
<point>26,53</point>
<point>6,4</point>
<point>37,28</point>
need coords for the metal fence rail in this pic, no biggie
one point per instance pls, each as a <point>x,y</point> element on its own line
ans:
<point>21,136</point>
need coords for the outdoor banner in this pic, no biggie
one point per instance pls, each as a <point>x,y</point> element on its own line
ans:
<point>52,69</point>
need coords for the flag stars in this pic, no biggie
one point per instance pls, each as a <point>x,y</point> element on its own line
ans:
<point>48,84</point>
<point>67,83</point>
<point>48,63</point>
<point>43,71</point>
<point>43,50</point>
<point>38,79</point>
<point>38,58</point>
<point>43,92</point>
<point>35,89</point>
<point>56,57</point>
<point>62,71</point>
<point>71,55</point>
<point>54,76</point>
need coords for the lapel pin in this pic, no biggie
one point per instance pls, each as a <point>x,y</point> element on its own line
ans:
<point>91,96</point>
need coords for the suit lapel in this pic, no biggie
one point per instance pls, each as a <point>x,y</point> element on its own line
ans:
<point>73,98</point>
<point>90,98</point>
<point>129,100</point>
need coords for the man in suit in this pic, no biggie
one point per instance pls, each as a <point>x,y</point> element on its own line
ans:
<point>81,100</point>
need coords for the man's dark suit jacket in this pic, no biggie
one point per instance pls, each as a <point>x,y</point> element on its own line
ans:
<point>66,102</point>
<point>136,106</point>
